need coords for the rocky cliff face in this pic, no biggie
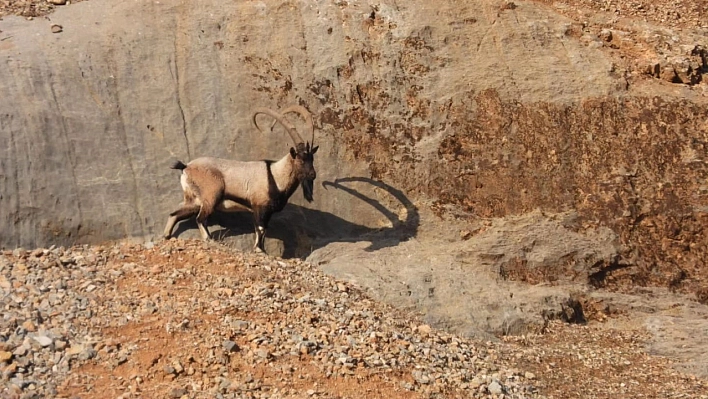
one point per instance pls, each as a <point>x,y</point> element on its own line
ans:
<point>483,109</point>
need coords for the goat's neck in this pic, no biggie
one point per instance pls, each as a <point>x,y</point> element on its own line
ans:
<point>284,175</point>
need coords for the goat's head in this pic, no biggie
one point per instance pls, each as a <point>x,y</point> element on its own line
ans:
<point>303,160</point>
<point>303,153</point>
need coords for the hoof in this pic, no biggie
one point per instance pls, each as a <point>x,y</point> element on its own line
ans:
<point>258,250</point>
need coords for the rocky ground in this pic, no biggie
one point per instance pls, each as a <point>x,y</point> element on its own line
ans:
<point>31,8</point>
<point>188,319</point>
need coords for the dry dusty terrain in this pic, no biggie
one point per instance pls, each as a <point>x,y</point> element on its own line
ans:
<point>194,320</point>
<point>186,319</point>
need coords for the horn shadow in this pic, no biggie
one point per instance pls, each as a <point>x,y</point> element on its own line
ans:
<point>401,230</point>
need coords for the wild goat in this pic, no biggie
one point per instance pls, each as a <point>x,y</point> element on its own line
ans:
<point>262,187</point>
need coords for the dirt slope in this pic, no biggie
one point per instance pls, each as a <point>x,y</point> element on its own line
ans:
<point>185,319</point>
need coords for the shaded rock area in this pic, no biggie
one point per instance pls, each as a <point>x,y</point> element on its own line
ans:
<point>490,268</point>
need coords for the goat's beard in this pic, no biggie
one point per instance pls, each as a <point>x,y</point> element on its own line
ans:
<point>307,189</point>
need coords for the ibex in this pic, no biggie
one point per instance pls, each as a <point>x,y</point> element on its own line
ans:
<point>262,187</point>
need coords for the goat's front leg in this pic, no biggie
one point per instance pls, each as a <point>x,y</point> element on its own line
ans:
<point>259,246</point>
<point>261,218</point>
<point>171,221</point>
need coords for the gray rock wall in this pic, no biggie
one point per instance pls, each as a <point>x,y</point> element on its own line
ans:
<point>91,117</point>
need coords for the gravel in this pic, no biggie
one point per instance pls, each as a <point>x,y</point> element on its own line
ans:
<point>195,320</point>
<point>59,303</point>
<point>47,316</point>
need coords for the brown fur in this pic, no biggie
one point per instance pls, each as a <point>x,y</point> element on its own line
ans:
<point>209,186</point>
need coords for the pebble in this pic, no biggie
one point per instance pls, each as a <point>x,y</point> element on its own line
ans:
<point>494,388</point>
<point>43,340</point>
<point>230,346</point>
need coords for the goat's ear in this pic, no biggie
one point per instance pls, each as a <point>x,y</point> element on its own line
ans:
<point>314,149</point>
<point>293,153</point>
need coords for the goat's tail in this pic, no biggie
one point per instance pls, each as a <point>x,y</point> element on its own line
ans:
<point>178,165</point>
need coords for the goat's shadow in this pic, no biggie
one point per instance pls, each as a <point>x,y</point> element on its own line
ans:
<point>303,230</point>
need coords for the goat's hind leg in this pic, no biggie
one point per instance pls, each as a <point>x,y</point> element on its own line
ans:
<point>184,212</point>
<point>206,235</point>
<point>204,212</point>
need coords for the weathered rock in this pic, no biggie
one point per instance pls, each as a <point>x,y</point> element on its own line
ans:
<point>127,166</point>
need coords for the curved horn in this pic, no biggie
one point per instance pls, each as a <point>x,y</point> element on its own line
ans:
<point>306,115</point>
<point>278,117</point>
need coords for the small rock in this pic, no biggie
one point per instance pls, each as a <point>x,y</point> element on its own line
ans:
<point>19,351</point>
<point>178,392</point>
<point>420,377</point>
<point>57,28</point>
<point>476,382</point>
<point>240,324</point>
<point>606,35</point>
<point>424,329</point>
<point>10,370</point>
<point>494,388</point>
<point>29,326</point>
<point>263,353</point>
<point>177,366</point>
<point>74,350</point>
<point>58,2</point>
<point>88,353</point>
<point>5,356</point>
<point>168,369</point>
<point>529,375</point>
<point>43,340</point>
<point>230,346</point>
